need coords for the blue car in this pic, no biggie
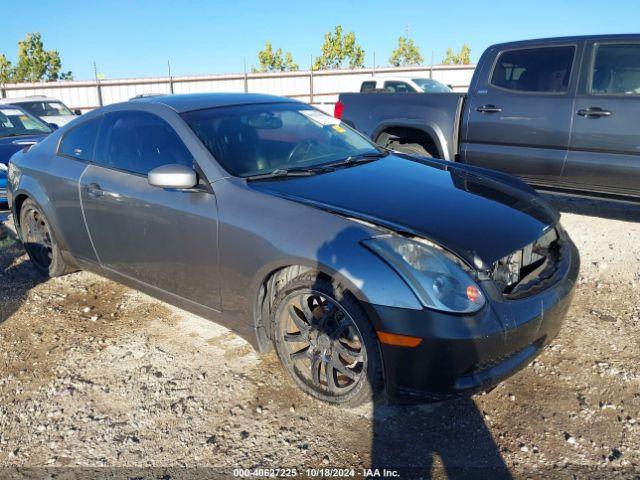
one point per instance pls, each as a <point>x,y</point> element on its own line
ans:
<point>18,129</point>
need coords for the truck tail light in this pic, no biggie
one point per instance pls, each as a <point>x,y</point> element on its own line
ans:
<point>338,110</point>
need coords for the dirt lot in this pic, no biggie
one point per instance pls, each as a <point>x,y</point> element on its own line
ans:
<point>94,374</point>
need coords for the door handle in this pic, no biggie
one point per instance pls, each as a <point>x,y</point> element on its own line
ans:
<point>488,109</point>
<point>593,112</point>
<point>94,190</point>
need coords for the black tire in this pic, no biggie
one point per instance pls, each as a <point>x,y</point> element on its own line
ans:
<point>329,347</point>
<point>39,241</point>
<point>410,148</point>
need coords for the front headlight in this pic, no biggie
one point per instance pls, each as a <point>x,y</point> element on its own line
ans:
<point>438,281</point>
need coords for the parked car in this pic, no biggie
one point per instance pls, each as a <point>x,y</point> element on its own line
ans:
<point>18,129</point>
<point>290,228</point>
<point>559,113</point>
<point>49,110</point>
<point>404,85</point>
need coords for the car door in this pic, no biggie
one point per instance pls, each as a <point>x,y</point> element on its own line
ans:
<point>604,153</point>
<point>518,119</point>
<point>161,238</point>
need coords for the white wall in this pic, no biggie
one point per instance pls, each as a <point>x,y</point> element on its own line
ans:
<point>326,85</point>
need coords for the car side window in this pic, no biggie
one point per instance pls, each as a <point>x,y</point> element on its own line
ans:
<point>367,87</point>
<point>616,70</point>
<point>542,70</point>
<point>138,142</point>
<point>397,87</point>
<point>80,140</point>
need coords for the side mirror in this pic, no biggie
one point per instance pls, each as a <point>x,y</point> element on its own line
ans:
<point>53,126</point>
<point>450,86</point>
<point>173,176</point>
<point>77,111</point>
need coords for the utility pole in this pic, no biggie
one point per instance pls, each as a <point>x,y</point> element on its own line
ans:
<point>431,67</point>
<point>311,81</point>
<point>170,77</point>
<point>373,73</point>
<point>98,87</point>
<point>246,80</point>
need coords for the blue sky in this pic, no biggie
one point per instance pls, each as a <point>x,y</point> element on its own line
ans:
<point>136,38</point>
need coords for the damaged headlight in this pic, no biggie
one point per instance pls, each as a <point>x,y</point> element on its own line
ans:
<point>438,281</point>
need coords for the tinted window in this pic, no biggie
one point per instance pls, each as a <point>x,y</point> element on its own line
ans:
<point>253,139</point>
<point>534,69</point>
<point>79,141</point>
<point>616,70</point>
<point>15,122</point>
<point>398,87</point>
<point>368,86</point>
<point>139,142</point>
<point>429,85</point>
<point>45,109</point>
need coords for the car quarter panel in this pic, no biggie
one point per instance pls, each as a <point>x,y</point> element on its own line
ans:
<point>260,233</point>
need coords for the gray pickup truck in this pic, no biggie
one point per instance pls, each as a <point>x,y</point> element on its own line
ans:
<point>561,113</point>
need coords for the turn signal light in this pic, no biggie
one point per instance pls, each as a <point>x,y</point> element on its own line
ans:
<point>473,294</point>
<point>398,340</point>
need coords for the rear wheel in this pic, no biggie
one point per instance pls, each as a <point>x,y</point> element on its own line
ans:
<point>39,242</point>
<point>325,342</point>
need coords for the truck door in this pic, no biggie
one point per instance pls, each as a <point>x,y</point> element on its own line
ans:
<point>604,154</point>
<point>519,113</point>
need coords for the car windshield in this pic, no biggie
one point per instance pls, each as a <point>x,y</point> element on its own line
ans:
<point>429,85</point>
<point>258,139</point>
<point>46,108</point>
<point>15,122</point>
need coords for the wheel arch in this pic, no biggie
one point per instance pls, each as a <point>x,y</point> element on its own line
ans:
<point>272,278</point>
<point>427,134</point>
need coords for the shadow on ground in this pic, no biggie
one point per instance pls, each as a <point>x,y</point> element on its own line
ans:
<point>448,440</point>
<point>625,211</point>
<point>17,276</point>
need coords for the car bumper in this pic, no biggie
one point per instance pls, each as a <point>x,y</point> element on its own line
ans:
<point>466,354</point>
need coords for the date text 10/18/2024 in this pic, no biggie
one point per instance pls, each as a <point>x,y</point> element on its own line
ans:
<point>317,472</point>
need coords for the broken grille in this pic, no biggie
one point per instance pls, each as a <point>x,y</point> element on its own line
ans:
<point>525,271</point>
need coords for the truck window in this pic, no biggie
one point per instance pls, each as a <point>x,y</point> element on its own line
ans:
<point>616,70</point>
<point>545,69</point>
<point>368,87</point>
<point>397,87</point>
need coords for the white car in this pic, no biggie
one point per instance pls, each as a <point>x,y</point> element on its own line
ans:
<point>49,110</point>
<point>404,85</point>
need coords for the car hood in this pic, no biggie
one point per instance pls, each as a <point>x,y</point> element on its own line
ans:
<point>10,145</point>
<point>479,215</point>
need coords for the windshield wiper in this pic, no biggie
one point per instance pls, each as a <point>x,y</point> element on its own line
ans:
<point>287,172</point>
<point>356,159</point>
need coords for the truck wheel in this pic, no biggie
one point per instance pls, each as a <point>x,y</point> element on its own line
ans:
<point>410,148</point>
<point>325,341</point>
<point>39,242</point>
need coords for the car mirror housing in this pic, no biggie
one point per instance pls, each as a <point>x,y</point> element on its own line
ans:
<point>174,176</point>
<point>53,126</point>
<point>77,111</point>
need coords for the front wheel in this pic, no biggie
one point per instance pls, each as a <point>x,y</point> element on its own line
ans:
<point>325,341</point>
<point>39,242</point>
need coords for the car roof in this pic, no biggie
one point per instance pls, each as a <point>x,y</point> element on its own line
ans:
<point>31,98</point>
<point>199,101</point>
<point>569,39</point>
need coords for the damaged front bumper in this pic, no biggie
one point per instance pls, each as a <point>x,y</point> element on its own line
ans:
<point>465,354</point>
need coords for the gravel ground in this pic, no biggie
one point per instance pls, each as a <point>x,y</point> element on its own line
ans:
<point>93,374</point>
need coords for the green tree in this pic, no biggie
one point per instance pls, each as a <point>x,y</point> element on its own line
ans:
<point>337,49</point>
<point>6,70</point>
<point>406,53</point>
<point>273,61</point>
<point>463,57</point>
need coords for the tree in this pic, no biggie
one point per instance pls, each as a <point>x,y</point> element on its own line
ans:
<point>6,70</point>
<point>337,49</point>
<point>463,57</point>
<point>271,61</point>
<point>407,53</point>
<point>34,63</point>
